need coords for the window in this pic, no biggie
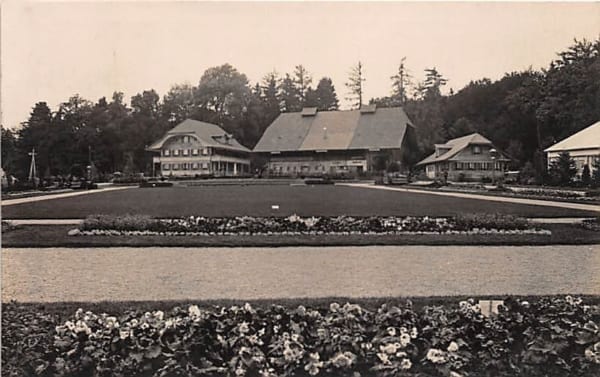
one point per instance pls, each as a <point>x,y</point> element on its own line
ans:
<point>166,152</point>
<point>205,165</point>
<point>204,151</point>
<point>166,167</point>
<point>176,152</point>
<point>195,152</point>
<point>186,139</point>
<point>476,149</point>
<point>175,167</point>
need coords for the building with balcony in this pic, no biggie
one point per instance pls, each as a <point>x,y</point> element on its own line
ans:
<point>467,158</point>
<point>196,149</point>
<point>337,143</point>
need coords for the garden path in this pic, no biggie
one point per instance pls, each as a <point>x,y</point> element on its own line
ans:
<point>120,273</point>
<point>31,199</point>
<point>537,202</point>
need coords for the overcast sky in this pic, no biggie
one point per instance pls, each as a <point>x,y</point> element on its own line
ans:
<point>52,50</point>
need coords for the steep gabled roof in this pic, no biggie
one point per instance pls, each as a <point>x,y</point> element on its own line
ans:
<point>454,146</point>
<point>208,134</point>
<point>335,130</point>
<point>588,138</point>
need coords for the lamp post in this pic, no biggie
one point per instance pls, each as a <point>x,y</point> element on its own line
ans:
<point>493,155</point>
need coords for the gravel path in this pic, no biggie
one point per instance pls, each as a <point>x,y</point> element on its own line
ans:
<point>33,199</point>
<point>95,274</point>
<point>501,199</point>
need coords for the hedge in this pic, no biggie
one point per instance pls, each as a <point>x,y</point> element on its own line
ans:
<point>548,337</point>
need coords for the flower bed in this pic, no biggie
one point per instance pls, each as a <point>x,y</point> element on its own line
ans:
<point>296,225</point>
<point>550,337</point>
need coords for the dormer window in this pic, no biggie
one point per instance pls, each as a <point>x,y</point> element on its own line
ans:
<point>166,152</point>
<point>185,151</point>
<point>476,149</point>
<point>195,152</point>
<point>176,152</point>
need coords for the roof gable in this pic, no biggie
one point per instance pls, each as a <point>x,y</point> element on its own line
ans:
<point>335,130</point>
<point>587,138</point>
<point>454,146</point>
<point>207,133</point>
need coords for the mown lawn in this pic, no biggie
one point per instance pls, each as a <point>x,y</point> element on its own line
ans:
<point>319,200</point>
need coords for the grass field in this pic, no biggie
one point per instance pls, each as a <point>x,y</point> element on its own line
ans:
<point>258,200</point>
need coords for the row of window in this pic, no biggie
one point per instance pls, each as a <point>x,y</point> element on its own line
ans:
<point>185,152</point>
<point>295,167</point>
<point>478,165</point>
<point>186,166</point>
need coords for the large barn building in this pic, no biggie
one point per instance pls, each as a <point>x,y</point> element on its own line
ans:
<point>194,148</point>
<point>337,143</point>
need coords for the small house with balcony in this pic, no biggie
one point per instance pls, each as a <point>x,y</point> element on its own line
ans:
<point>197,149</point>
<point>337,143</point>
<point>467,158</point>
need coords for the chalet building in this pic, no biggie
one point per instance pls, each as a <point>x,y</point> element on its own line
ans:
<point>194,148</point>
<point>583,147</point>
<point>337,143</point>
<point>469,158</point>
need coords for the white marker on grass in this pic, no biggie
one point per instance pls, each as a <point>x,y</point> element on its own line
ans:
<point>275,206</point>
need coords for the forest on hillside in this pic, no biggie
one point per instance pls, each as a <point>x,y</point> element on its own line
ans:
<point>523,112</point>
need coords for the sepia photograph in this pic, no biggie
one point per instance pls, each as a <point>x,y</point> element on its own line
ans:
<point>300,188</point>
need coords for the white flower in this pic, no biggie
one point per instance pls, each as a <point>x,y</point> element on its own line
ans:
<point>295,337</point>
<point>248,307</point>
<point>111,322</point>
<point>454,374</point>
<point>391,331</point>
<point>194,311</point>
<point>240,371</point>
<point>405,364</point>
<point>453,347</point>
<point>390,348</point>
<point>436,356</point>
<point>159,315</point>
<point>343,360</point>
<point>404,340</point>
<point>124,334</point>
<point>400,354</point>
<point>81,326</point>
<point>243,328</point>
<point>334,307</point>
<point>70,325</point>
<point>414,333</point>
<point>384,358</point>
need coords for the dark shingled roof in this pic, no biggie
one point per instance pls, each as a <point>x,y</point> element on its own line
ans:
<point>336,130</point>
<point>454,146</point>
<point>208,134</point>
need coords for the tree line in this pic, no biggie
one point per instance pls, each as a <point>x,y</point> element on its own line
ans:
<point>522,113</point>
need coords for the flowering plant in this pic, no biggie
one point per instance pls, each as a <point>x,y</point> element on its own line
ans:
<point>553,336</point>
<point>297,225</point>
